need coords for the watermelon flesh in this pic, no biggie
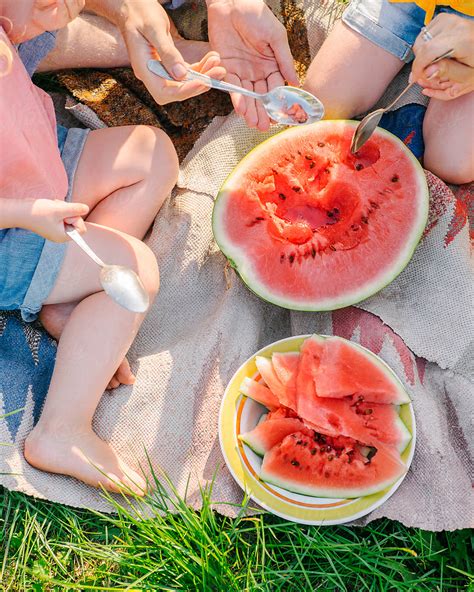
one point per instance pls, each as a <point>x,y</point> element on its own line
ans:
<point>310,353</point>
<point>309,226</point>
<point>260,393</point>
<point>270,432</point>
<point>346,370</point>
<point>371,423</point>
<point>334,467</point>
<point>286,369</point>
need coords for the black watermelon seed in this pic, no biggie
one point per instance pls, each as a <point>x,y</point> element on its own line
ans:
<point>330,214</point>
<point>358,167</point>
<point>321,144</point>
<point>374,205</point>
<point>327,171</point>
<point>308,157</point>
<point>395,178</point>
<point>282,196</point>
<point>332,247</point>
<point>327,474</point>
<point>313,252</point>
<point>259,218</point>
<point>365,220</point>
<point>355,227</point>
<point>296,189</point>
<point>312,165</point>
<point>299,152</point>
<point>331,457</point>
<point>368,411</point>
<point>282,257</point>
<point>313,451</point>
<point>274,172</point>
<point>335,210</point>
<point>295,463</point>
<point>299,442</point>
<point>291,258</point>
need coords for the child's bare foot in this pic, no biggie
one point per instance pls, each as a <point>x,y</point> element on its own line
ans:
<point>83,455</point>
<point>54,317</point>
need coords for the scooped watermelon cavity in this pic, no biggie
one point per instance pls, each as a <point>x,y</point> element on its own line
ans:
<point>335,467</point>
<point>260,393</point>
<point>309,226</point>
<point>345,370</point>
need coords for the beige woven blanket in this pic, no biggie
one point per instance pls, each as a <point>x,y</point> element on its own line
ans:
<point>205,323</point>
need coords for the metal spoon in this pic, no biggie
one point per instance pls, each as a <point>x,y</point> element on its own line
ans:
<point>284,104</point>
<point>367,126</point>
<point>121,283</point>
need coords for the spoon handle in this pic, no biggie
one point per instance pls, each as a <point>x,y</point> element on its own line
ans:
<point>157,68</point>
<point>80,242</point>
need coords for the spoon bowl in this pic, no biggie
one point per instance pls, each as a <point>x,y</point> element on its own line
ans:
<point>287,105</point>
<point>121,283</point>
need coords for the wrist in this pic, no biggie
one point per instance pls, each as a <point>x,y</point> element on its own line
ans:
<point>229,3</point>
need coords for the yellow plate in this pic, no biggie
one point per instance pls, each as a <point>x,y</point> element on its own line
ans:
<point>239,414</point>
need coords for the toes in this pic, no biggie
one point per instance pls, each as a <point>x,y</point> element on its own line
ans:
<point>113,384</point>
<point>124,374</point>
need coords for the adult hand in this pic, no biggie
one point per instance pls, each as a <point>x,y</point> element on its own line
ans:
<point>449,78</point>
<point>146,29</point>
<point>47,217</point>
<point>254,50</point>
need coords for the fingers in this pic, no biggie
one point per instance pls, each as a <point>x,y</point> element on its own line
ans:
<point>263,121</point>
<point>451,70</point>
<point>160,38</point>
<point>250,115</point>
<point>284,59</point>
<point>78,224</point>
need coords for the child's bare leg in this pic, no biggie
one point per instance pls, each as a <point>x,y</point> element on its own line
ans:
<point>124,175</point>
<point>449,141</point>
<point>94,341</point>
<point>350,73</point>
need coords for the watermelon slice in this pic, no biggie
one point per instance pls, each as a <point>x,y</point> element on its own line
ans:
<point>286,369</point>
<point>270,432</point>
<point>371,423</point>
<point>310,353</point>
<point>309,226</point>
<point>344,369</point>
<point>338,467</point>
<point>267,372</point>
<point>260,393</point>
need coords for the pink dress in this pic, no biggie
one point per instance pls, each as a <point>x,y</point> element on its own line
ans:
<point>30,167</point>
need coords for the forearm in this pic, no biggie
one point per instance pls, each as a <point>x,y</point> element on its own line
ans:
<point>15,213</point>
<point>89,41</point>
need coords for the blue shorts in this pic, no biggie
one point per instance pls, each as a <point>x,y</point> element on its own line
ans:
<point>29,264</point>
<point>393,26</point>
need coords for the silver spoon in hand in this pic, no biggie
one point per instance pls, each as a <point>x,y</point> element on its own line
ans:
<point>284,104</point>
<point>121,283</point>
<point>367,126</point>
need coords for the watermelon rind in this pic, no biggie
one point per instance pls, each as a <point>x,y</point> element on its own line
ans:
<point>405,435</point>
<point>314,491</point>
<point>243,267</point>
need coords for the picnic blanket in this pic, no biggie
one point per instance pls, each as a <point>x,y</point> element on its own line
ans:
<point>205,323</point>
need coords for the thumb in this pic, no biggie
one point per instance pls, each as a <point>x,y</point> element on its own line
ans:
<point>73,210</point>
<point>77,222</point>
<point>452,70</point>
<point>172,60</point>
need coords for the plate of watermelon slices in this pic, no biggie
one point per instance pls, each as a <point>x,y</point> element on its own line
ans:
<point>317,429</point>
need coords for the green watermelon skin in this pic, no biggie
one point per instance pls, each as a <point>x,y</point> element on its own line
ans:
<point>334,468</point>
<point>259,393</point>
<point>308,226</point>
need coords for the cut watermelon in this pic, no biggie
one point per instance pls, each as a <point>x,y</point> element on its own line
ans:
<point>371,423</point>
<point>286,369</point>
<point>267,372</point>
<point>309,226</point>
<point>345,369</point>
<point>336,468</point>
<point>270,432</point>
<point>310,353</point>
<point>260,393</point>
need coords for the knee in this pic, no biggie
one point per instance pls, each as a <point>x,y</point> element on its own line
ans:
<point>452,170</point>
<point>160,153</point>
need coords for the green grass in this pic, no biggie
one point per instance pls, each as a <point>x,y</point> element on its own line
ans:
<point>45,546</point>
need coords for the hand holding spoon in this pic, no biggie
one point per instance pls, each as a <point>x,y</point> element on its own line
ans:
<point>284,104</point>
<point>121,283</point>
<point>367,126</point>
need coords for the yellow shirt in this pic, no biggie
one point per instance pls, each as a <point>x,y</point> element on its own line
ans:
<point>429,6</point>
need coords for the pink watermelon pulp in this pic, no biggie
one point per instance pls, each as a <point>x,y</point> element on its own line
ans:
<point>363,413</point>
<point>334,468</point>
<point>308,226</point>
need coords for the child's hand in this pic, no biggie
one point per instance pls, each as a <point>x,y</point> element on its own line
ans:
<point>449,78</point>
<point>47,217</point>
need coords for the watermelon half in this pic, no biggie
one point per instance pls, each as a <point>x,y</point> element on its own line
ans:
<point>309,226</point>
